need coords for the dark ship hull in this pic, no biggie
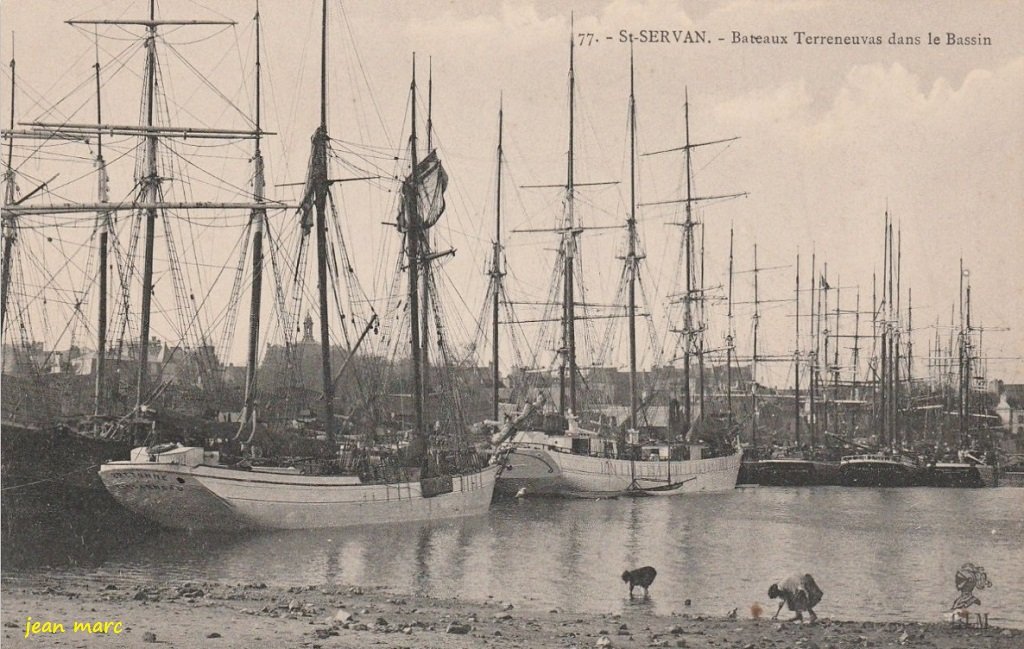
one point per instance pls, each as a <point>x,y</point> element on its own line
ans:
<point>54,506</point>
<point>959,474</point>
<point>748,472</point>
<point>796,472</point>
<point>879,471</point>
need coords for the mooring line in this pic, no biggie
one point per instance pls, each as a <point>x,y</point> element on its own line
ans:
<point>60,477</point>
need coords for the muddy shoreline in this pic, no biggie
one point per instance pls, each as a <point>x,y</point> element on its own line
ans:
<point>212,614</point>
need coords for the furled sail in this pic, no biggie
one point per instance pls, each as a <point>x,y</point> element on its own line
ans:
<point>428,182</point>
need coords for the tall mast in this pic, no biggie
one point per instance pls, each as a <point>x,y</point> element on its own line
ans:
<point>569,245</point>
<point>258,218</point>
<point>823,334</point>
<point>962,373</point>
<point>701,391</point>
<point>796,364</point>
<point>874,374</point>
<point>729,340</point>
<point>968,363</point>
<point>835,365</point>
<point>813,356</point>
<point>496,270</point>
<point>688,245</point>
<point>897,408</point>
<point>884,383</point>
<point>103,224</point>
<point>890,322</point>
<point>947,379</point>
<point>149,197</point>
<point>426,247</point>
<point>413,239</point>
<point>855,359</point>
<point>753,359</point>
<point>910,358</point>
<point>9,222</point>
<point>320,188</point>
<point>151,187</point>
<point>632,255</point>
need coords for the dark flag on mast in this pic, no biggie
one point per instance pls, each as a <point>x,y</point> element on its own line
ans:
<point>430,182</point>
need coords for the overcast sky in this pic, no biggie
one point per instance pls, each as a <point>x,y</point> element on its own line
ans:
<point>830,135</point>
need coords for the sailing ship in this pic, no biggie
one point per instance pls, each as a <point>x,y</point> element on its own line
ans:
<point>50,449</point>
<point>183,486</point>
<point>890,465</point>
<point>801,465</point>
<point>967,469</point>
<point>561,457</point>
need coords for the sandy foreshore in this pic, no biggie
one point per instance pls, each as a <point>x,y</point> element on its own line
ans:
<point>153,613</point>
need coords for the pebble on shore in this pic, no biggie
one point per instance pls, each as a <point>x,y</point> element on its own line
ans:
<point>246,615</point>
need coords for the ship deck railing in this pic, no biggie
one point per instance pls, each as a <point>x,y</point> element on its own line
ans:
<point>878,457</point>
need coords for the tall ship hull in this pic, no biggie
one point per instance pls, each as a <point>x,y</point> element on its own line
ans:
<point>959,474</point>
<point>586,475</point>
<point>549,472</point>
<point>185,489</point>
<point>796,472</point>
<point>51,490</point>
<point>1011,479</point>
<point>879,470</point>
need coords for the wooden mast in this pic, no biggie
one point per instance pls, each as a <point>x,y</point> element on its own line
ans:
<point>425,251</point>
<point>884,383</point>
<point>835,365</point>
<point>149,198</point>
<point>796,363</point>
<point>823,336</point>
<point>688,246</point>
<point>569,250</point>
<point>701,386</point>
<point>631,256</point>
<point>103,223</point>
<point>855,361</point>
<point>813,355</point>
<point>496,273</point>
<point>9,223</point>
<point>729,340</point>
<point>897,408</point>
<point>753,360</point>
<point>258,218</point>
<point>962,366</point>
<point>412,238</point>
<point>910,363</point>
<point>151,188</point>
<point>320,187</point>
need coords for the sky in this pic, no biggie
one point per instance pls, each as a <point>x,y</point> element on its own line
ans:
<point>830,137</point>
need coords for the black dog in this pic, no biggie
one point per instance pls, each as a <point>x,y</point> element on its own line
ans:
<point>640,577</point>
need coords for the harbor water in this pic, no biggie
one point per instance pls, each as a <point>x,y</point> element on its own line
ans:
<point>878,554</point>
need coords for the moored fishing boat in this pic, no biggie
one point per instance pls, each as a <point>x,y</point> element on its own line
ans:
<point>186,487</point>
<point>966,471</point>
<point>583,464</point>
<point>563,458</point>
<point>189,487</point>
<point>880,470</point>
<point>796,472</point>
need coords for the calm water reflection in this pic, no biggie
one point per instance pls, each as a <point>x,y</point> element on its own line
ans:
<point>877,554</point>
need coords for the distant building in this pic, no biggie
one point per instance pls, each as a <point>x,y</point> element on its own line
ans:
<point>23,360</point>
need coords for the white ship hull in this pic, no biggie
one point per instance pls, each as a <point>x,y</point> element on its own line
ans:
<point>208,496</point>
<point>551,472</point>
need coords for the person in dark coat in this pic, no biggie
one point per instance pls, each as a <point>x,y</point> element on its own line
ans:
<point>799,593</point>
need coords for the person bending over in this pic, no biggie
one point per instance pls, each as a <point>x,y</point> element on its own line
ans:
<point>799,593</point>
